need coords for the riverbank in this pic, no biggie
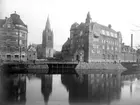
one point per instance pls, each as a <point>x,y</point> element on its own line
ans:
<point>81,67</point>
<point>101,67</point>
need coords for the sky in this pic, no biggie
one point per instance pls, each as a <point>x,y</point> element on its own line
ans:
<point>123,15</point>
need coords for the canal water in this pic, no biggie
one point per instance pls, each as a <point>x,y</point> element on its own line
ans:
<point>91,89</point>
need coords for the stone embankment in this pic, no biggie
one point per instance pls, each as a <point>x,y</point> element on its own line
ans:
<point>94,67</point>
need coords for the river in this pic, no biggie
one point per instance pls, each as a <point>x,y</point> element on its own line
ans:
<point>91,89</point>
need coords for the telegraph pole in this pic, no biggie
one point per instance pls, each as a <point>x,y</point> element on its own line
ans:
<point>19,45</point>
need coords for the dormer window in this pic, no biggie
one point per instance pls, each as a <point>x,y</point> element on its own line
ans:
<point>9,25</point>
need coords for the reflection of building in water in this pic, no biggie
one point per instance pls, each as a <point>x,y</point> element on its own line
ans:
<point>13,89</point>
<point>93,88</point>
<point>46,86</point>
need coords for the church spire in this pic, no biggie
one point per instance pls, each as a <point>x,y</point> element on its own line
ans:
<point>47,24</point>
<point>88,19</point>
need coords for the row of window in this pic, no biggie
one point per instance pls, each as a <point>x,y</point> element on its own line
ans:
<point>10,56</point>
<point>111,57</point>
<point>103,47</point>
<point>14,33</point>
<point>108,33</point>
<point>110,42</point>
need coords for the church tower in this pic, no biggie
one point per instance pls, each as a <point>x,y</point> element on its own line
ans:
<point>88,19</point>
<point>47,40</point>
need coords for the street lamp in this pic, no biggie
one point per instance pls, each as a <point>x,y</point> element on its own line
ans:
<point>19,44</point>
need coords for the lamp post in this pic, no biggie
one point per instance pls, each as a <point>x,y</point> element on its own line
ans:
<point>19,44</point>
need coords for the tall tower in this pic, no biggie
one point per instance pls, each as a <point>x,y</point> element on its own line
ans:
<point>47,40</point>
<point>88,19</point>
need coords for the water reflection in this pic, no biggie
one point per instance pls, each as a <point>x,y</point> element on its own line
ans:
<point>13,89</point>
<point>46,86</point>
<point>92,88</point>
<point>95,89</point>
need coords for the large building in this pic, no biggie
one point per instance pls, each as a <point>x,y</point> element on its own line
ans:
<point>93,42</point>
<point>13,38</point>
<point>47,41</point>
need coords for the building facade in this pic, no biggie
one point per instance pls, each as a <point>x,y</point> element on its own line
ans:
<point>32,53</point>
<point>47,41</point>
<point>13,38</point>
<point>93,42</point>
<point>128,54</point>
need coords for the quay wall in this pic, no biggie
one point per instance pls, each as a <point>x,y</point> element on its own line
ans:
<point>95,67</point>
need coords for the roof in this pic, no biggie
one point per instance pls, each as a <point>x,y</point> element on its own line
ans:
<point>31,48</point>
<point>2,21</point>
<point>16,19</point>
<point>104,27</point>
<point>48,26</point>
<point>74,25</point>
<point>66,43</point>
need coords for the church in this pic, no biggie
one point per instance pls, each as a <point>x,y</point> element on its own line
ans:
<point>45,49</point>
<point>47,41</point>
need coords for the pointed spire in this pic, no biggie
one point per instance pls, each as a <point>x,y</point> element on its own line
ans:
<point>88,19</point>
<point>48,24</point>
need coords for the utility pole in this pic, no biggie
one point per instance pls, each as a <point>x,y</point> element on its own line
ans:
<point>19,45</point>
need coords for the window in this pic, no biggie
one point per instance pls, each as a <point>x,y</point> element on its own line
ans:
<point>107,47</point>
<point>111,34</point>
<point>107,33</point>
<point>112,48</point>
<point>115,35</point>
<point>8,56</point>
<point>103,47</point>
<point>103,32</point>
<point>9,25</point>
<point>92,51</point>
<point>49,37</point>
<point>16,33</point>
<point>22,56</point>
<point>16,56</point>
<point>81,32</point>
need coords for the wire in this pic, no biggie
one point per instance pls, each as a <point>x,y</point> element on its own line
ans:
<point>134,30</point>
<point>136,25</point>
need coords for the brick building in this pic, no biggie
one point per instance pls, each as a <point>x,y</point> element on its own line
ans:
<point>47,41</point>
<point>13,38</point>
<point>92,42</point>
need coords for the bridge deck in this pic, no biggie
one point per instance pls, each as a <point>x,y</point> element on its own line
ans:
<point>61,62</point>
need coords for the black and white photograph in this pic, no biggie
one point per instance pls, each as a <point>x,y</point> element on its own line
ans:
<point>69,52</point>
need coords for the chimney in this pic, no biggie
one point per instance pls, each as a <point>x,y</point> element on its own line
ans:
<point>131,40</point>
<point>109,26</point>
<point>5,18</point>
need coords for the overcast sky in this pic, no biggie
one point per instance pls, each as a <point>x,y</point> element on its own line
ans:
<point>121,14</point>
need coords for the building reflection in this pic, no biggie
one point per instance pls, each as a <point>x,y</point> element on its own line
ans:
<point>46,86</point>
<point>92,88</point>
<point>13,89</point>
